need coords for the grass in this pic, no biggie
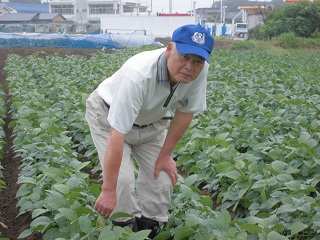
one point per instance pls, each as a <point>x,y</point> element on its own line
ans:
<point>269,47</point>
<point>272,48</point>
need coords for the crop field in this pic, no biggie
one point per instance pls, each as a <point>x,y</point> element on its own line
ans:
<point>249,164</point>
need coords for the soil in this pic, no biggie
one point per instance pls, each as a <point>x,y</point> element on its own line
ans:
<point>12,226</point>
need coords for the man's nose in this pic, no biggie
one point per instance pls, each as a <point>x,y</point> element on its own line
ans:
<point>189,64</point>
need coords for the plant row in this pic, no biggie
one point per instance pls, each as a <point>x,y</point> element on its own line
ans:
<point>256,148</point>
<point>3,112</point>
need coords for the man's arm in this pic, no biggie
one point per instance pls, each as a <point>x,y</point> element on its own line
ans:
<point>112,161</point>
<point>178,127</point>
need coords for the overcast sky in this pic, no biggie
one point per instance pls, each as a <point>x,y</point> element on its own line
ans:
<point>180,6</point>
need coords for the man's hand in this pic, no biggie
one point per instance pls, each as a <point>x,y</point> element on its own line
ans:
<point>168,165</point>
<point>165,162</point>
<point>106,203</point>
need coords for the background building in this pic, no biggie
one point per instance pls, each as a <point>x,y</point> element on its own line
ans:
<point>83,11</point>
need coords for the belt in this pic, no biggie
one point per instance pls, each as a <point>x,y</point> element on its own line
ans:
<point>141,126</point>
<point>135,125</point>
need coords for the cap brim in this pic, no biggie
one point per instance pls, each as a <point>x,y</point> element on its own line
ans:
<point>183,48</point>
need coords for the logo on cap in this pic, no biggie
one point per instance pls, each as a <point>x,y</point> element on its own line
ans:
<point>198,38</point>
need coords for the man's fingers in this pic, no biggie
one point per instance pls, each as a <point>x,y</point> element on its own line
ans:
<point>156,174</point>
<point>104,213</point>
<point>174,178</point>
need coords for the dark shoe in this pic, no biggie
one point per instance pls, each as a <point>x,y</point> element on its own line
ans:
<point>131,223</point>
<point>144,223</point>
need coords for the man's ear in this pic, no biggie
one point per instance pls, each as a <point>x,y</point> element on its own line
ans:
<point>169,49</point>
<point>170,45</point>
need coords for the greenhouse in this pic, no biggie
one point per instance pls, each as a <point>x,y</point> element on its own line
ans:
<point>110,40</point>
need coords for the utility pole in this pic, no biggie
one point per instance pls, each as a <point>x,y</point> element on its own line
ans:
<point>221,17</point>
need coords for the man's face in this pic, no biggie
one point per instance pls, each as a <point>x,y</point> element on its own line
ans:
<point>183,68</point>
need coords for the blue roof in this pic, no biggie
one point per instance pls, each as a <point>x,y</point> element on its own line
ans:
<point>26,7</point>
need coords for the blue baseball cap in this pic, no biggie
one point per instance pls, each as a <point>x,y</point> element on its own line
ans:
<point>193,39</point>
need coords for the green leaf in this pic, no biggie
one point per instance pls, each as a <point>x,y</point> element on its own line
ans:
<point>30,180</point>
<point>107,233</point>
<point>45,125</point>
<point>240,164</point>
<point>162,235</point>
<point>62,188</point>
<point>183,233</point>
<point>259,184</point>
<point>251,228</point>
<point>286,208</point>
<point>233,174</point>
<point>203,234</point>
<point>81,165</point>
<point>224,218</point>
<point>206,201</point>
<point>120,215</point>
<point>70,214</point>
<point>25,233</point>
<point>53,172</point>
<point>191,179</point>
<point>312,143</point>
<point>222,136</point>
<point>260,146</point>
<point>276,236</point>
<point>242,192</point>
<point>139,235</point>
<point>38,212</point>
<point>52,233</point>
<point>285,177</point>
<point>278,166</point>
<point>192,220</point>
<point>224,167</point>
<point>199,134</point>
<point>56,200</point>
<point>304,137</point>
<point>41,221</point>
<point>187,191</point>
<point>293,185</point>
<point>25,123</point>
<point>85,225</point>
<point>34,197</point>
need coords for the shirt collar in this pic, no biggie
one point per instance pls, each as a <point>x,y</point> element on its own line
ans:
<point>162,71</point>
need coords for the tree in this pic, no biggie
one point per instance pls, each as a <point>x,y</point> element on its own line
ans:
<point>303,19</point>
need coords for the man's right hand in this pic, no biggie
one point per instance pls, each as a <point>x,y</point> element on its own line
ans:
<point>106,203</point>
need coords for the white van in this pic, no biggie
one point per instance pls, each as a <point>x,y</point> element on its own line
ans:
<point>241,30</point>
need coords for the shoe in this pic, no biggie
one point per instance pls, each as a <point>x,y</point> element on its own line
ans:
<point>144,223</point>
<point>131,223</point>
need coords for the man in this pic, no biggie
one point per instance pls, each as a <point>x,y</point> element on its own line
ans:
<point>127,114</point>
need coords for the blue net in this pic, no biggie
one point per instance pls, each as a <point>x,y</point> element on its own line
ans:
<point>112,40</point>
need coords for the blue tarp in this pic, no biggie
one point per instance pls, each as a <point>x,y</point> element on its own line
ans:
<point>91,41</point>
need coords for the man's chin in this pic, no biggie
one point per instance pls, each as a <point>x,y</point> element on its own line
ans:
<point>185,80</point>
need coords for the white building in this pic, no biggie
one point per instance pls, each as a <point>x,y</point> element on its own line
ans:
<point>90,11</point>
